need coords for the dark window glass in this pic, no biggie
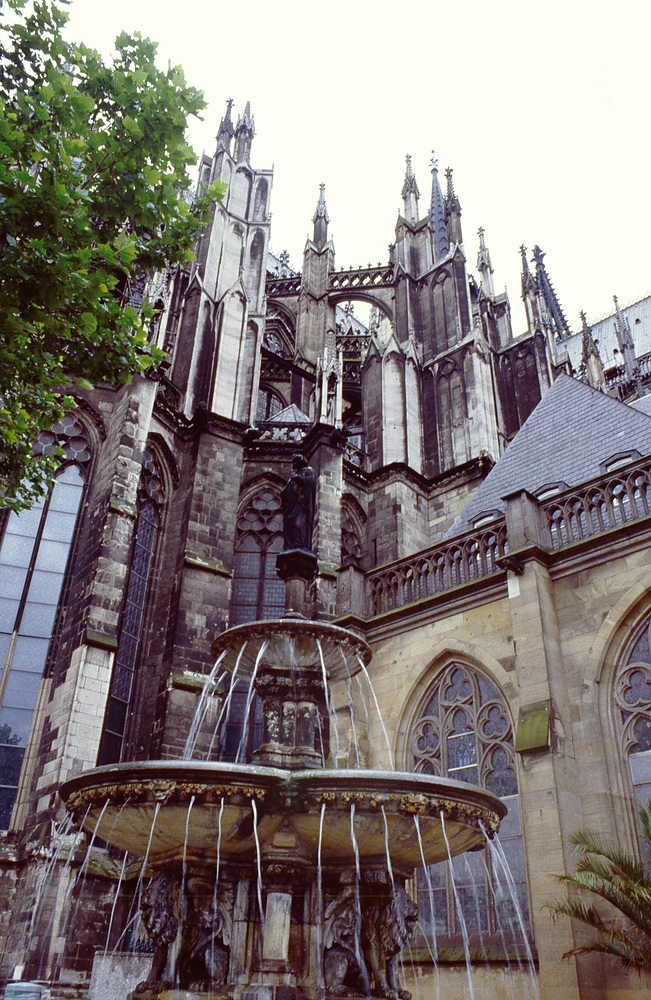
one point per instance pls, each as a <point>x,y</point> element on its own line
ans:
<point>33,558</point>
<point>126,656</point>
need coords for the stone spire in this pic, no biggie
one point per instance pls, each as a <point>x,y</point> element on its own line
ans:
<point>437,215</point>
<point>625,341</point>
<point>559,322</point>
<point>529,292</point>
<point>410,194</point>
<point>321,220</point>
<point>484,265</point>
<point>452,210</point>
<point>226,128</point>
<point>590,358</point>
<point>244,132</point>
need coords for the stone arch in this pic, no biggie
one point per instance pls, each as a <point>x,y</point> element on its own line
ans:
<point>240,192</point>
<point>442,654</point>
<point>459,724</point>
<point>444,312</point>
<point>254,269</point>
<point>260,201</point>
<point>608,652</point>
<point>256,590</point>
<point>168,462</point>
<point>383,301</point>
<point>93,419</point>
<point>353,531</point>
<point>281,322</point>
<point>266,480</point>
<point>205,357</point>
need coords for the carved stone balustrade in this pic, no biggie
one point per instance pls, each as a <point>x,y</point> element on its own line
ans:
<point>432,571</point>
<point>598,506</point>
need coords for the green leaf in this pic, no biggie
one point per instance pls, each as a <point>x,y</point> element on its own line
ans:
<point>90,322</point>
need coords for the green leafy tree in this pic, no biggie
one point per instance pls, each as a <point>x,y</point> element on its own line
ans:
<point>620,879</point>
<point>93,195</point>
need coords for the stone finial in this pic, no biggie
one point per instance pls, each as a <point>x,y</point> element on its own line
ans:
<point>321,219</point>
<point>484,265</point>
<point>226,128</point>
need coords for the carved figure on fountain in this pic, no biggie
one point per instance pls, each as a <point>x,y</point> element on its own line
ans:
<point>387,928</point>
<point>205,952</point>
<point>160,913</point>
<point>344,970</point>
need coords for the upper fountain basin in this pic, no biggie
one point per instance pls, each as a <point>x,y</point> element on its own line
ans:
<point>292,641</point>
<point>169,810</point>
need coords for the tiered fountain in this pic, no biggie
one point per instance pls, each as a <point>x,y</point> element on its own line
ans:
<point>284,878</point>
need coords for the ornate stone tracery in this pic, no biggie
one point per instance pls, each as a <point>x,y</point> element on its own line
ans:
<point>464,731</point>
<point>632,701</point>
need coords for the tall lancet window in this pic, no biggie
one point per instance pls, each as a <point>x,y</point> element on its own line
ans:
<point>34,555</point>
<point>257,593</point>
<point>632,692</point>
<point>257,590</point>
<point>463,731</point>
<point>150,496</point>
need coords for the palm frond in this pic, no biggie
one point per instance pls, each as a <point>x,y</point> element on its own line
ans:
<point>624,882</point>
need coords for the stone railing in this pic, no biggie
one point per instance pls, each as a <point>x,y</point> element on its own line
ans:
<point>529,525</point>
<point>380,276</point>
<point>461,560</point>
<point>282,286</point>
<point>608,503</point>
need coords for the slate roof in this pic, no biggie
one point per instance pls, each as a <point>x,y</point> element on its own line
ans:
<point>643,404</point>
<point>290,415</point>
<point>603,334</point>
<point>572,430</point>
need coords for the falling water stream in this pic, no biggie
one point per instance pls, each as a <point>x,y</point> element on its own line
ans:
<point>358,876</point>
<point>497,852</point>
<point>319,894</point>
<point>457,901</point>
<point>433,952</point>
<point>202,707</point>
<point>351,706</point>
<point>216,884</point>
<point>258,858</point>
<point>249,699</point>
<point>332,715</point>
<point>377,709</point>
<point>137,896</point>
<point>43,884</point>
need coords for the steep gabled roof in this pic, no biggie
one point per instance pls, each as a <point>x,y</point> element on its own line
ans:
<point>565,439</point>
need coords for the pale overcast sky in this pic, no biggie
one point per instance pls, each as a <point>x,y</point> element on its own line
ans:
<point>540,108</point>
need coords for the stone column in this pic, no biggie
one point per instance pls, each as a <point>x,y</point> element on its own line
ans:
<point>549,786</point>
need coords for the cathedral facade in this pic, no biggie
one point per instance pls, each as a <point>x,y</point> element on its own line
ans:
<point>483,519</point>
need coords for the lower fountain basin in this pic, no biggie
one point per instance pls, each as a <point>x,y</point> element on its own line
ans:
<point>168,810</point>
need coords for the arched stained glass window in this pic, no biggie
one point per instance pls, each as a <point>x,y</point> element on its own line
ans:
<point>131,623</point>
<point>632,693</point>
<point>257,590</point>
<point>463,731</point>
<point>33,560</point>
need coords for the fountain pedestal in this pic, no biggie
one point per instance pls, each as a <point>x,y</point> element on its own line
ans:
<point>297,567</point>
